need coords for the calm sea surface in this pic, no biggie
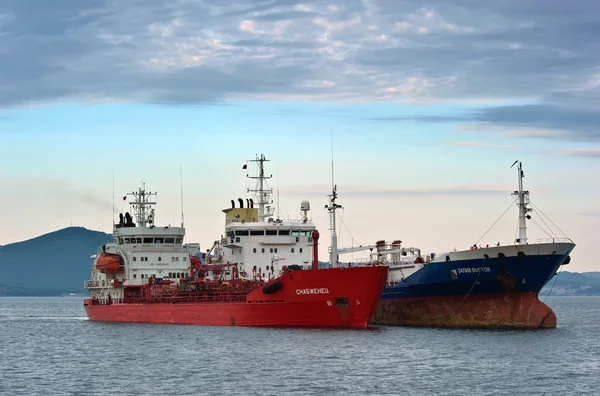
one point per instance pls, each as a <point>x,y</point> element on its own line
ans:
<point>48,347</point>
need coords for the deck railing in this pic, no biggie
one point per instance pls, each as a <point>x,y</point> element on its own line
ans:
<point>553,240</point>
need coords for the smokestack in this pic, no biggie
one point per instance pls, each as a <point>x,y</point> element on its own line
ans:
<point>241,201</point>
<point>251,203</point>
<point>232,204</point>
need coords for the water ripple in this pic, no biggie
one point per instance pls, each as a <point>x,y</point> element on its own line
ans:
<point>49,347</point>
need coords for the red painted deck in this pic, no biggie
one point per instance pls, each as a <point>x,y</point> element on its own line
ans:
<point>515,311</point>
<point>336,297</point>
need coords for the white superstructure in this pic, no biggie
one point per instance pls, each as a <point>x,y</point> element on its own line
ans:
<point>145,250</point>
<point>256,241</point>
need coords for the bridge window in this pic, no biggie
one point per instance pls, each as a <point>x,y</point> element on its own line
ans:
<point>262,250</point>
<point>254,250</point>
<point>257,232</point>
<point>134,276</point>
<point>300,250</point>
<point>275,250</point>
<point>126,240</point>
<point>292,250</point>
<point>120,241</point>
<point>136,240</point>
<point>179,240</point>
<point>237,239</point>
<point>295,232</point>
<point>134,258</point>
<point>158,240</point>
<point>148,240</point>
<point>242,232</point>
<point>169,240</point>
<point>271,250</point>
<point>271,232</point>
<point>284,232</point>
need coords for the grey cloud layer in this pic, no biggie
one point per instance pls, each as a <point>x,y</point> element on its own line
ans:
<point>205,52</point>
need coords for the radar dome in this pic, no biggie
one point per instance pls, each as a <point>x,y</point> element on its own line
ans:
<point>305,206</point>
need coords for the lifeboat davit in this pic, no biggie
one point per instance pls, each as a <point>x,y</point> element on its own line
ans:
<point>108,262</point>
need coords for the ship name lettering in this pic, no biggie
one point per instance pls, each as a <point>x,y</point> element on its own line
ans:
<point>322,290</point>
<point>473,270</point>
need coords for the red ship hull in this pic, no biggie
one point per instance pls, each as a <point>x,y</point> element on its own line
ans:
<point>510,310</point>
<point>336,297</point>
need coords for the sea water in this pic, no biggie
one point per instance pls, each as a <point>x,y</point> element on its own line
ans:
<point>48,347</point>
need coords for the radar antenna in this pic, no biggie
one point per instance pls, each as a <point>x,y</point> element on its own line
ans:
<point>262,193</point>
<point>142,206</point>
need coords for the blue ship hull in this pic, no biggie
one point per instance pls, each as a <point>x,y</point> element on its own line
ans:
<point>466,289</point>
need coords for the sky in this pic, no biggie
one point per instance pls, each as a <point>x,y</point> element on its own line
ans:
<point>428,103</point>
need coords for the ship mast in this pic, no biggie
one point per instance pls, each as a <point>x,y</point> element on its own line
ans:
<point>262,193</point>
<point>142,206</point>
<point>331,208</point>
<point>523,201</point>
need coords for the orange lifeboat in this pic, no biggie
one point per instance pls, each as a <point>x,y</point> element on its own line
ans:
<point>108,262</point>
<point>195,262</point>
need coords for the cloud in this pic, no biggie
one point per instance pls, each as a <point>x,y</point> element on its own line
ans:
<point>378,192</point>
<point>55,192</point>
<point>422,52</point>
<point>562,121</point>
<point>589,214</point>
<point>481,145</point>
<point>587,152</point>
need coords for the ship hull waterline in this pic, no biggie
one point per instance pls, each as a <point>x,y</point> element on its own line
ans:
<point>497,311</point>
<point>326,298</point>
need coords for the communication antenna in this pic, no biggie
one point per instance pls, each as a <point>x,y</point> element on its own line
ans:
<point>113,199</point>
<point>278,204</point>
<point>181,182</point>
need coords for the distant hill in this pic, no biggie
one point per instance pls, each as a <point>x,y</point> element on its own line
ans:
<point>574,284</point>
<point>594,274</point>
<point>51,264</point>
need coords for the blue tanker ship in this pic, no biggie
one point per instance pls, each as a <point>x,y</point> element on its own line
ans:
<point>491,287</point>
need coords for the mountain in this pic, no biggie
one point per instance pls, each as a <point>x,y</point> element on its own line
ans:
<point>573,284</point>
<point>51,264</point>
<point>594,274</point>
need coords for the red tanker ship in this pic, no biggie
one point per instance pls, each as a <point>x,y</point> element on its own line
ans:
<point>148,275</point>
